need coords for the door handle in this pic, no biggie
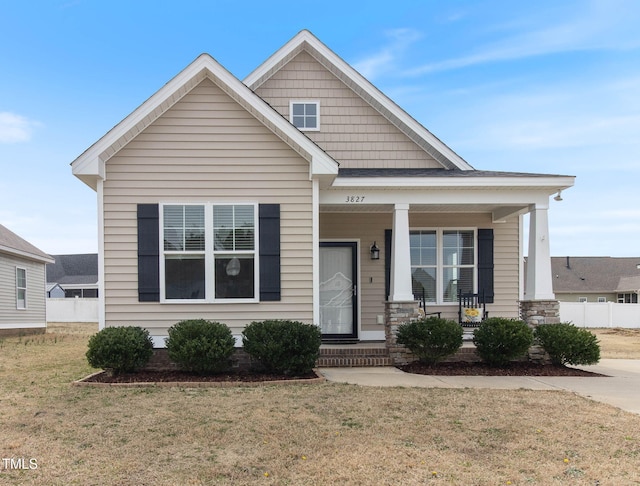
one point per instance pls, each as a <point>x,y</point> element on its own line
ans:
<point>355,290</point>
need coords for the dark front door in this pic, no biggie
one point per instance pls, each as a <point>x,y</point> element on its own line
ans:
<point>338,290</point>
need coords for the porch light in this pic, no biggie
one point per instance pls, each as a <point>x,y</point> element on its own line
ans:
<point>375,251</point>
<point>558,196</point>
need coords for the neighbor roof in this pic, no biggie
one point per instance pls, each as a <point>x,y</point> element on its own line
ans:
<point>73,269</point>
<point>11,243</point>
<point>594,274</point>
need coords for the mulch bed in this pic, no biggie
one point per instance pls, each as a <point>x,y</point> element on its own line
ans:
<point>482,369</point>
<point>173,377</point>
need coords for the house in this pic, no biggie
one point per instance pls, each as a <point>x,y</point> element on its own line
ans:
<point>267,198</point>
<point>54,291</point>
<point>22,285</point>
<point>596,279</point>
<point>77,275</point>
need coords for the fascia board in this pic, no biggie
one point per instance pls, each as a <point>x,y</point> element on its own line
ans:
<point>25,254</point>
<point>361,82</point>
<point>88,164</point>
<point>553,184</point>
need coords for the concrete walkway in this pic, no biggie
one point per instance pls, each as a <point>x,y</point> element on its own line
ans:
<point>620,388</point>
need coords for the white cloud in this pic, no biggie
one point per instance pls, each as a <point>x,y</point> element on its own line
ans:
<point>15,128</point>
<point>385,59</point>
<point>603,25</point>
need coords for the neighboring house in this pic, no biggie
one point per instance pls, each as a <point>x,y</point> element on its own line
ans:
<point>596,279</point>
<point>22,285</point>
<point>267,199</point>
<point>54,291</point>
<point>77,275</point>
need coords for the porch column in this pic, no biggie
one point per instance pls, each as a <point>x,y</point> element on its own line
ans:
<point>539,285</point>
<point>400,288</point>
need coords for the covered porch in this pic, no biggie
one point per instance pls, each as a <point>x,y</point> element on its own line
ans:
<point>434,235</point>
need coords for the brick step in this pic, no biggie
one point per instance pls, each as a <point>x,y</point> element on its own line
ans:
<point>348,356</point>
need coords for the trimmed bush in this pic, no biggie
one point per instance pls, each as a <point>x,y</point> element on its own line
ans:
<point>200,346</point>
<point>431,339</point>
<point>499,341</point>
<point>120,349</point>
<point>567,344</point>
<point>284,347</point>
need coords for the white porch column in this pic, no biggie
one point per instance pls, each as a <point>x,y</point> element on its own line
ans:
<point>400,289</point>
<point>539,284</point>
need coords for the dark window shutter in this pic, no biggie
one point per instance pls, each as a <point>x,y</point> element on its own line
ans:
<point>148,253</point>
<point>485,264</point>
<point>269,224</point>
<point>387,262</point>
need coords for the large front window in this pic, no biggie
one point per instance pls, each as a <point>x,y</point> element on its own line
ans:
<point>443,261</point>
<point>209,251</point>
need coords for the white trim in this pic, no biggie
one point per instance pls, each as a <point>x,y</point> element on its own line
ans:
<point>25,254</point>
<point>18,288</point>
<point>209,254</point>
<point>306,40</point>
<point>89,166</point>
<point>315,241</point>
<point>552,183</point>
<point>101,288</point>
<point>23,325</point>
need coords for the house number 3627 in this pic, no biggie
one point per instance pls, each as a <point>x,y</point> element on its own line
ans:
<point>355,199</point>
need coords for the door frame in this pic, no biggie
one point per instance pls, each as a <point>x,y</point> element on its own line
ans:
<point>355,269</point>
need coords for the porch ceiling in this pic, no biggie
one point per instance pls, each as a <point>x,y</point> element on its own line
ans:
<point>498,212</point>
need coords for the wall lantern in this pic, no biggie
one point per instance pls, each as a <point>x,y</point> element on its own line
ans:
<point>375,251</point>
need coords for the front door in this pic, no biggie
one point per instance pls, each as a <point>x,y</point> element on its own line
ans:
<point>338,290</point>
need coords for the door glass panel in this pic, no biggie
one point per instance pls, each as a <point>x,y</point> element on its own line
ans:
<point>336,290</point>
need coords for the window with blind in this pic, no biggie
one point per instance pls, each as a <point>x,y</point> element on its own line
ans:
<point>443,261</point>
<point>208,252</point>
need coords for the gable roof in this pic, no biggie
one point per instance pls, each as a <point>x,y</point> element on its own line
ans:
<point>89,166</point>
<point>12,244</point>
<point>73,269</point>
<point>595,274</point>
<point>306,41</point>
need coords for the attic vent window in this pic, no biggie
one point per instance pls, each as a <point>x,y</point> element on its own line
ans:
<point>305,115</point>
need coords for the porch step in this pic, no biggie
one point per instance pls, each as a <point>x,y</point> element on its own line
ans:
<point>347,356</point>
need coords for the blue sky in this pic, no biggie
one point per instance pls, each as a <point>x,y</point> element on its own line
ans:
<point>546,86</point>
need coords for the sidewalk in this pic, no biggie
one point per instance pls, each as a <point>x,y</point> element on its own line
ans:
<point>620,388</point>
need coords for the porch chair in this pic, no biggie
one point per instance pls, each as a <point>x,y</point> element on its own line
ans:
<point>422,298</point>
<point>472,309</point>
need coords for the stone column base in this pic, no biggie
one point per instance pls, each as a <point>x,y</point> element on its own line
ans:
<point>534,313</point>
<point>397,313</point>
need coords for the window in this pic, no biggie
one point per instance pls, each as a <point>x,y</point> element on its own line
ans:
<point>305,115</point>
<point>628,298</point>
<point>602,299</point>
<point>21,288</point>
<point>442,262</point>
<point>209,252</point>
<point>582,299</point>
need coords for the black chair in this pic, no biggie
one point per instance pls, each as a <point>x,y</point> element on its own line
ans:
<point>422,298</point>
<point>472,309</point>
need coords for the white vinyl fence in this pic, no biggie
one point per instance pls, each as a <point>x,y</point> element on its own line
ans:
<point>72,310</point>
<point>600,314</point>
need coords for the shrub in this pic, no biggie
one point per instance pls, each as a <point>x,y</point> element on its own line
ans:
<point>200,346</point>
<point>567,344</point>
<point>499,340</point>
<point>286,347</point>
<point>120,349</point>
<point>431,339</point>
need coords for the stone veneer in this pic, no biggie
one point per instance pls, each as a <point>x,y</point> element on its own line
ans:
<point>397,313</point>
<point>534,313</point>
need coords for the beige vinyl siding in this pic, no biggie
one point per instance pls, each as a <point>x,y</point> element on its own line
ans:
<point>370,227</point>
<point>35,314</point>
<point>206,149</point>
<point>351,131</point>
